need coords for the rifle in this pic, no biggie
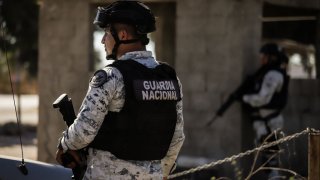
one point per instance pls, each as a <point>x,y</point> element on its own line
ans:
<point>244,88</point>
<point>64,103</point>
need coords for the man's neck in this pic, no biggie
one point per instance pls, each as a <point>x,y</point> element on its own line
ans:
<point>125,48</point>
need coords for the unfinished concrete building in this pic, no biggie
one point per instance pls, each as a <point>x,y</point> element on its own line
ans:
<point>213,44</point>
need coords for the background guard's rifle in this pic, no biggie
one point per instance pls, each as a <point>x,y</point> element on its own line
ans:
<point>64,103</point>
<point>244,88</point>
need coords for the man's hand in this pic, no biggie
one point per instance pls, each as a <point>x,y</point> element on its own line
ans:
<point>74,155</point>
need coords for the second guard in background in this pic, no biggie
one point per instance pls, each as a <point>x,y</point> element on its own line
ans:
<point>268,98</point>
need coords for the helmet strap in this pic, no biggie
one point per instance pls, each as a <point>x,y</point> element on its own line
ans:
<point>114,34</point>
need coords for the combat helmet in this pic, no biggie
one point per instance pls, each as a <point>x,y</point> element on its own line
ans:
<point>273,51</point>
<point>270,49</point>
<point>134,13</point>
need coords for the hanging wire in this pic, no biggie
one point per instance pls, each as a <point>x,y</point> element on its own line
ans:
<point>22,166</point>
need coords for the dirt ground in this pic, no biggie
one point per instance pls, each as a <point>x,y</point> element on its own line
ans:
<point>10,145</point>
<point>9,139</point>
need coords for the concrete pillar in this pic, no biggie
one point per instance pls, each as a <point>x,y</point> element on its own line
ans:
<point>164,36</point>
<point>63,65</point>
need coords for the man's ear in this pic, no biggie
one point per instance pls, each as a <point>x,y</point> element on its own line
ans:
<point>123,35</point>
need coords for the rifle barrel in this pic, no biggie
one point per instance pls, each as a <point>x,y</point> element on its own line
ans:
<point>213,119</point>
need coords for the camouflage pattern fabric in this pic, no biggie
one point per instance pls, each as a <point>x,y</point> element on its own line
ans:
<point>106,93</point>
<point>272,82</point>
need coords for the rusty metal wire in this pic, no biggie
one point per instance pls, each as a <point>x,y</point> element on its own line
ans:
<point>240,155</point>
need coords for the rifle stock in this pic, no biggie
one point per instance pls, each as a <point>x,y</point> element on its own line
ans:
<point>64,103</point>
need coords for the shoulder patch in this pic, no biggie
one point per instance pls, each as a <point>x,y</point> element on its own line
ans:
<point>98,79</point>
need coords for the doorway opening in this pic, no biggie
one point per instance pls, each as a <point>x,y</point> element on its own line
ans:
<point>295,31</point>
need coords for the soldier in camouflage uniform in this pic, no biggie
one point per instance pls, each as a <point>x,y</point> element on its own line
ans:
<point>131,117</point>
<point>269,97</point>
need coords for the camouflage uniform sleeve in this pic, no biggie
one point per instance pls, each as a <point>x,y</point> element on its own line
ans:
<point>168,162</point>
<point>104,86</point>
<point>272,82</point>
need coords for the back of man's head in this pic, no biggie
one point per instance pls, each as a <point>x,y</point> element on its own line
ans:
<point>270,49</point>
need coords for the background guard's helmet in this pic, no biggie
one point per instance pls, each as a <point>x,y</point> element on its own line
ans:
<point>129,12</point>
<point>276,56</point>
<point>270,49</point>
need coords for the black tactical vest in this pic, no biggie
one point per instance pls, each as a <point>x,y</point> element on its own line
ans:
<point>279,99</point>
<point>144,127</point>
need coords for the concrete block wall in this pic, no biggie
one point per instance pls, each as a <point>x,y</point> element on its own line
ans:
<point>216,45</point>
<point>302,111</point>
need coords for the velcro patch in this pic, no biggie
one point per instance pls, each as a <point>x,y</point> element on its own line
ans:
<point>157,90</point>
<point>98,79</point>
